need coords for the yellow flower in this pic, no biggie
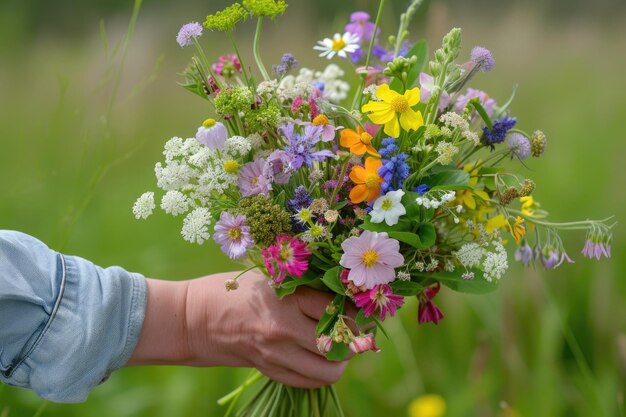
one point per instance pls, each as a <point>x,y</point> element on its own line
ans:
<point>359,142</point>
<point>366,181</point>
<point>519,231</point>
<point>430,405</point>
<point>496,222</point>
<point>467,197</point>
<point>392,104</point>
<point>529,205</point>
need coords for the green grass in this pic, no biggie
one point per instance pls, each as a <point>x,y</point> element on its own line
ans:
<point>545,344</point>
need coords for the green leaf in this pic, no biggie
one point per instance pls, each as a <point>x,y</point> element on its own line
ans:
<point>424,238</point>
<point>449,179</point>
<point>406,288</point>
<point>280,198</point>
<point>402,225</point>
<point>328,319</point>
<point>420,50</point>
<point>290,284</point>
<point>454,281</point>
<point>361,320</point>
<point>427,234</point>
<point>338,353</point>
<point>379,324</point>
<point>333,281</point>
<point>483,113</point>
<point>339,205</point>
<point>409,238</point>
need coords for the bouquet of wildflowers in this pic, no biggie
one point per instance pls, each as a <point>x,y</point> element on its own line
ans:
<point>386,188</point>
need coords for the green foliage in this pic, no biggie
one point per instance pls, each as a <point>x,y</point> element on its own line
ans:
<point>265,8</point>
<point>478,285</point>
<point>329,318</point>
<point>225,20</point>
<point>447,179</point>
<point>419,54</point>
<point>333,281</point>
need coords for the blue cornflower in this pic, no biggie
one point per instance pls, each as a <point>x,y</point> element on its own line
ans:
<point>301,199</point>
<point>422,189</point>
<point>498,133</point>
<point>394,169</point>
<point>301,148</point>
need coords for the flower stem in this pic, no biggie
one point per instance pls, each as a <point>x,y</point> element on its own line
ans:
<point>243,66</point>
<point>405,19</point>
<point>257,55</point>
<point>252,378</point>
<point>359,93</point>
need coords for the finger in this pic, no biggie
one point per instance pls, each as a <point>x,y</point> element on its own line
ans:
<point>291,378</point>
<point>306,335</point>
<point>313,366</point>
<point>313,303</point>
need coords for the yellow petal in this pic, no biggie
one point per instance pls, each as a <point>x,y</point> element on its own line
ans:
<point>382,118</point>
<point>357,175</point>
<point>392,127</point>
<point>496,222</point>
<point>411,120</point>
<point>384,93</point>
<point>359,193</point>
<point>412,96</point>
<point>483,195</point>
<point>372,164</point>
<point>376,106</point>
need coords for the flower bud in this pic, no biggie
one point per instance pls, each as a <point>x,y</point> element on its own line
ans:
<point>231,285</point>
<point>324,344</point>
<point>363,343</point>
<point>538,143</point>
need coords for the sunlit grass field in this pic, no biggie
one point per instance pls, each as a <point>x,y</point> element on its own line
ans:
<point>82,124</point>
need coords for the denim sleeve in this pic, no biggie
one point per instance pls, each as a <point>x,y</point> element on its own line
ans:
<point>65,323</point>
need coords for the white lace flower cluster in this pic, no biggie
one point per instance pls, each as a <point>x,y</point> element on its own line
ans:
<point>191,176</point>
<point>494,262</point>
<point>453,123</point>
<point>435,199</point>
<point>335,88</point>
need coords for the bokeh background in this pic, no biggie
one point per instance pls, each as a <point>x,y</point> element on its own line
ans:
<point>84,113</point>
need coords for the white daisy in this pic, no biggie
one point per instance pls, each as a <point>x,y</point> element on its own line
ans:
<point>388,208</point>
<point>340,45</point>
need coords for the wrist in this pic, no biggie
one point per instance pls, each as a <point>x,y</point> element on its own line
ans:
<point>164,335</point>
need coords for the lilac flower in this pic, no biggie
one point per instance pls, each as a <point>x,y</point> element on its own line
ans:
<point>394,169</point>
<point>524,254</point>
<point>519,145</point>
<point>371,258</point>
<point>212,134</point>
<point>361,26</point>
<point>595,249</point>
<point>498,133</point>
<point>233,235</point>
<point>380,298</point>
<point>487,102</point>
<point>483,58</point>
<point>301,199</point>
<point>252,181</point>
<point>553,258</point>
<point>287,62</point>
<point>278,167</point>
<point>301,147</point>
<point>427,82</point>
<point>187,33</point>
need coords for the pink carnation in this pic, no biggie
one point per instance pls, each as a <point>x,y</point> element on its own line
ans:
<point>380,298</point>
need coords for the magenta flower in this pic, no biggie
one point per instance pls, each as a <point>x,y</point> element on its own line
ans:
<point>187,33</point>
<point>596,249</point>
<point>288,256</point>
<point>380,298</point>
<point>233,235</point>
<point>371,258</point>
<point>487,102</point>
<point>227,65</point>
<point>428,311</point>
<point>252,181</point>
<point>361,26</point>
<point>363,343</point>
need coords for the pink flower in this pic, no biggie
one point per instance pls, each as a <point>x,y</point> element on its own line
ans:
<point>364,343</point>
<point>227,65</point>
<point>428,311</point>
<point>427,82</point>
<point>596,249</point>
<point>487,102</point>
<point>381,298</point>
<point>232,233</point>
<point>252,180</point>
<point>324,343</point>
<point>288,256</point>
<point>371,258</point>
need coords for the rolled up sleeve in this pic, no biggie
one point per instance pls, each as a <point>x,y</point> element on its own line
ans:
<point>65,323</point>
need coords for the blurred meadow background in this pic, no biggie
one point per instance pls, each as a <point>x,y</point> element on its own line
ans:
<point>87,102</point>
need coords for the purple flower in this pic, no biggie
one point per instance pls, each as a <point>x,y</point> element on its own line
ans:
<point>278,167</point>
<point>233,235</point>
<point>287,62</point>
<point>361,26</point>
<point>553,258</point>
<point>380,298</point>
<point>487,102</point>
<point>187,33</point>
<point>427,82</point>
<point>394,169</point>
<point>371,258</point>
<point>524,254</point>
<point>519,145</point>
<point>212,134</point>
<point>301,199</point>
<point>596,250</point>
<point>422,189</point>
<point>483,58</point>
<point>252,181</point>
<point>301,147</point>
<point>499,131</point>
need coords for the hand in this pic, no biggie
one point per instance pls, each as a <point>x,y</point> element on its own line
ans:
<point>199,323</point>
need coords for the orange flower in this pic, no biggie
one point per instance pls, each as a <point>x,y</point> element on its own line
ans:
<point>367,181</point>
<point>359,142</point>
